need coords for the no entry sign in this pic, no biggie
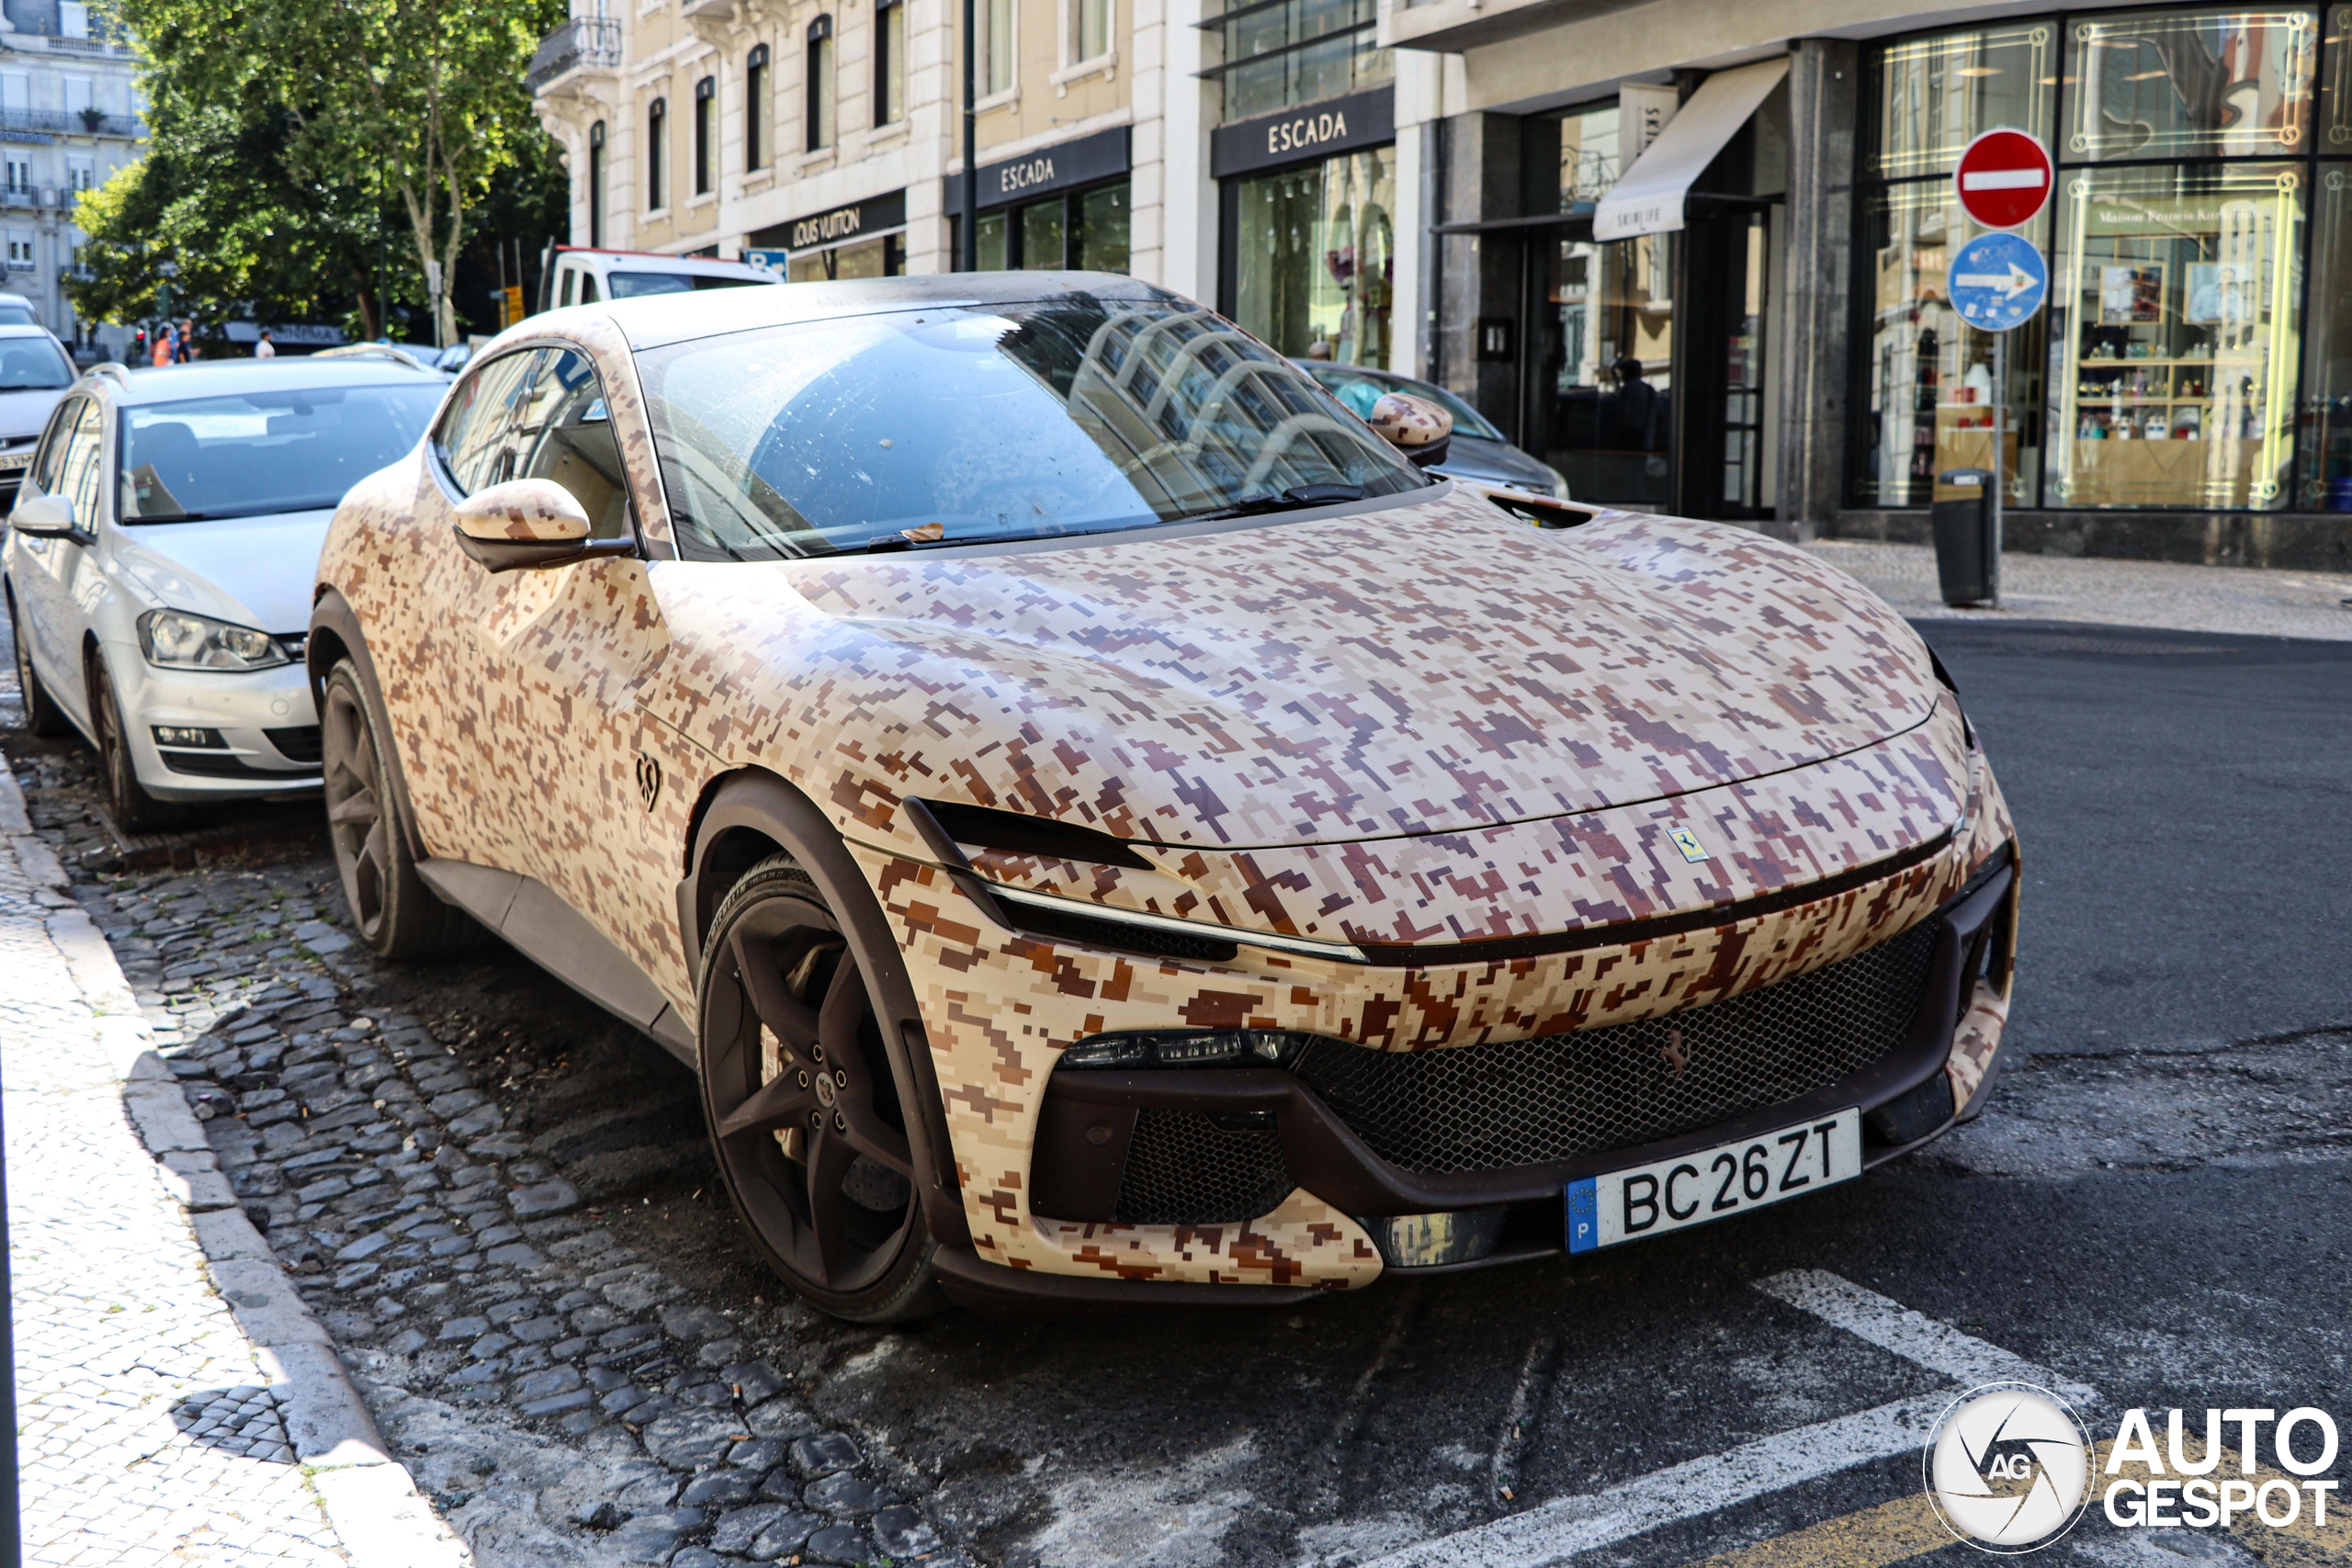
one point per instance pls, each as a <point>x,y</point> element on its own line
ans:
<point>2003,178</point>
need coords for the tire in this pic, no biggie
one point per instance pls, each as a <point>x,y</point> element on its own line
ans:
<point>42,716</point>
<point>391,909</point>
<point>128,802</point>
<point>810,1134</point>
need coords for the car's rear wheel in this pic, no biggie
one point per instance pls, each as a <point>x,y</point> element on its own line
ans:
<point>128,802</point>
<point>42,716</point>
<point>395,913</point>
<point>805,1114</point>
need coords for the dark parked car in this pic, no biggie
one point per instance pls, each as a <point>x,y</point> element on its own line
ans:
<point>1480,452</point>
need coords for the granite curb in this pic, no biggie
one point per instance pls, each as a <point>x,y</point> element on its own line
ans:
<point>369,1498</point>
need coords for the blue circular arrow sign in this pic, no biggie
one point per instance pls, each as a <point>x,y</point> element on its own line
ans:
<point>1997,282</point>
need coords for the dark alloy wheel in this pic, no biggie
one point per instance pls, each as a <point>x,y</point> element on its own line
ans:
<point>805,1114</point>
<point>42,716</point>
<point>397,915</point>
<point>128,802</point>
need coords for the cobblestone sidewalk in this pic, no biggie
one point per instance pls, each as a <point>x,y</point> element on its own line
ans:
<point>150,1428</point>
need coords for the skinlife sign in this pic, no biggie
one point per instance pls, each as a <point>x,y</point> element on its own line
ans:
<point>1296,136</point>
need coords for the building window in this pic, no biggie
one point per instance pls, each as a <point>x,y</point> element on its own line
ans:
<point>705,112</point>
<point>889,61</point>
<point>20,177</point>
<point>596,185</point>
<point>997,46</point>
<point>755,108</point>
<point>2163,374</point>
<point>1316,256</point>
<point>1297,51</point>
<point>657,152</point>
<point>820,83</point>
<point>1090,29</point>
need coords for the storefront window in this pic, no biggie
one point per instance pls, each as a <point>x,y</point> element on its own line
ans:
<point>1928,398</point>
<point>2191,85</point>
<point>1935,93</point>
<point>885,256</point>
<point>1101,244</point>
<point>1316,255</point>
<point>1084,230</point>
<point>2327,433</point>
<point>1612,412</point>
<point>2175,305</point>
<point>1587,155</point>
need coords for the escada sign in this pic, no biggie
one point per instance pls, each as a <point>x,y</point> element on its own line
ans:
<point>1064,167</point>
<point>1319,130</point>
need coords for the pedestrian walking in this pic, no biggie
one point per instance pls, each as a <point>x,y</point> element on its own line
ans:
<point>187,340</point>
<point>264,349</point>
<point>167,346</point>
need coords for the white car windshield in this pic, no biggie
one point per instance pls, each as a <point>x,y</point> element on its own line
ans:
<point>631,285</point>
<point>32,365</point>
<point>963,424</point>
<point>258,452</point>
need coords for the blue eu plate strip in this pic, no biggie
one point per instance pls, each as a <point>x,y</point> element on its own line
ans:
<point>1584,1216</point>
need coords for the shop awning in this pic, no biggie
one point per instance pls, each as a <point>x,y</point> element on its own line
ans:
<point>1648,198</point>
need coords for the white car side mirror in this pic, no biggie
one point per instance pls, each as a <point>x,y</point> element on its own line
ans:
<point>523,512</point>
<point>45,516</point>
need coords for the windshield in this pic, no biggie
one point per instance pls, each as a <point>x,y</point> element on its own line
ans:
<point>31,364</point>
<point>630,284</point>
<point>961,425</point>
<point>17,316</point>
<point>266,451</point>
<point>1361,389</point>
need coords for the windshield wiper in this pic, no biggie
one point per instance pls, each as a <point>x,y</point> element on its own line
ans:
<point>1296,498</point>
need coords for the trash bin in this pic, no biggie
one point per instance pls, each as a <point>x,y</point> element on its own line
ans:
<point>1964,543</point>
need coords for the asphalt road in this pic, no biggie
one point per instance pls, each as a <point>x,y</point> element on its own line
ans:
<point>2158,1206</point>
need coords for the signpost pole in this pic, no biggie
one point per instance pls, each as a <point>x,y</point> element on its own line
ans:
<point>2000,470</point>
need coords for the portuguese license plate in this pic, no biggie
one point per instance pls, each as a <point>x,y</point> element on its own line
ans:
<point>1714,1184</point>
<point>9,460</point>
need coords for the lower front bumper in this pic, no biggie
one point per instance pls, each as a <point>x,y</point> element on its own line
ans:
<point>1938,1074</point>
<point>263,718</point>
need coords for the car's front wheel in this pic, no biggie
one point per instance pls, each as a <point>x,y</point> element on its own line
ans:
<point>42,716</point>
<point>128,802</point>
<point>396,914</point>
<point>805,1113</point>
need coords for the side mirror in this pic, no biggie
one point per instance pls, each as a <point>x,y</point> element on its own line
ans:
<point>45,516</point>
<point>1415,426</point>
<point>525,524</point>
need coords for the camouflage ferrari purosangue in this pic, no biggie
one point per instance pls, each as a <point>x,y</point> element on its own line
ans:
<point>1107,826</point>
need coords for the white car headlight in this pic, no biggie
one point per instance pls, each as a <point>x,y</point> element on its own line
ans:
<point>1560,486</point>
<point>178,640</point>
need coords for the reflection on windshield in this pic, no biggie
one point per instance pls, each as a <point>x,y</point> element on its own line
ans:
<point>632,285</point>
<point>1068,416</point>
<point>1360,391</point>
<point>32,365</point>
<point>263,452</point>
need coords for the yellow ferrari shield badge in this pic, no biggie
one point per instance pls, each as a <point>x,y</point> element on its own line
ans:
<point>1688,842</point>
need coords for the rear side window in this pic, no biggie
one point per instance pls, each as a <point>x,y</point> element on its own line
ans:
<point>587,288</point>
<point>570,276</point>
<point>473,440</point>
<point>52,444</point>
<point>82,464</point>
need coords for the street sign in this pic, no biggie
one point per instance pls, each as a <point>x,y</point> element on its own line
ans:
<point>1997,282</point>
<point>2003,178</point>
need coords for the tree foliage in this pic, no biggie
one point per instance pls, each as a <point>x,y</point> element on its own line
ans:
<point>286,131</point>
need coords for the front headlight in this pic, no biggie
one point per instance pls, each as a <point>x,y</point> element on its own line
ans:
<point>1560,486</point>
<point>178,640</point>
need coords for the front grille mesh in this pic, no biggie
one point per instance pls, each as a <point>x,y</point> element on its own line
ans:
<point>1535,1102</point>
<point>1185,1169</point>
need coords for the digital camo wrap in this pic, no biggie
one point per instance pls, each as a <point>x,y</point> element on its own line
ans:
<point>1419,723</point>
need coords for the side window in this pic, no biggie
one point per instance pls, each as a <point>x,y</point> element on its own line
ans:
<point>565,433</point>
<point>473,440</point>
<point>51,455</point>
<point>587,288</point>
<point>570,274</point>
<point>84,464</point>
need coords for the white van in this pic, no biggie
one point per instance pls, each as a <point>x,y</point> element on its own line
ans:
<point>577,276</point>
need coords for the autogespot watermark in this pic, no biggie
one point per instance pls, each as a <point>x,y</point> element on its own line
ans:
<point>2010,1469</point>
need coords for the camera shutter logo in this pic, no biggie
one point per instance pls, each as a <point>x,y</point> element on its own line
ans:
<point>2009,1467</point>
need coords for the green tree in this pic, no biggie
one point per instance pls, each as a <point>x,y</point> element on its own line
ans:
<point>285,132</point>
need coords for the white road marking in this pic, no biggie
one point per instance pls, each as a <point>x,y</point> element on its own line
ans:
<point>1559,1530</point>
<point>1914,1336</point>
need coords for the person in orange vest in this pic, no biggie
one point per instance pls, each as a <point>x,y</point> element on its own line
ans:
<point>167,346</point>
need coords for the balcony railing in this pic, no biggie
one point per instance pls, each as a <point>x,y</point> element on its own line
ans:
<point>72,122</point>
<point>582,42</point>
